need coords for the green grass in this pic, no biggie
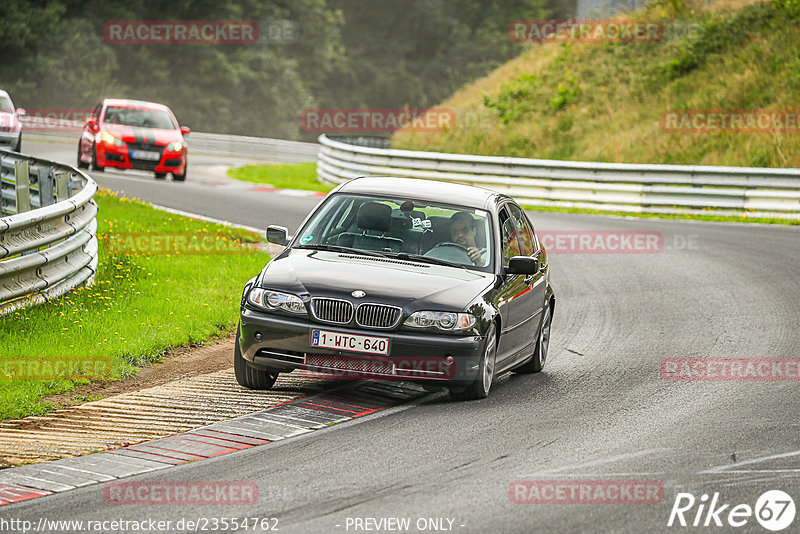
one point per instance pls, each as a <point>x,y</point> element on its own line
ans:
<point>285,176</point>
<point>604,101</point>
<point>709,215</point>
<point>140,306</point>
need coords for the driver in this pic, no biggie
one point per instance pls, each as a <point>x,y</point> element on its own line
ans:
<point>462,231</point>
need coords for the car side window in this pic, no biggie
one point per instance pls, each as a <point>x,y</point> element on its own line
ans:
<point>508,236</point>
<point>525,233</point>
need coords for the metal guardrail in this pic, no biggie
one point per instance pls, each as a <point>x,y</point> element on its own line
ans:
<point>644,188</point>
<point>201,143</point>
<point>47,230</point>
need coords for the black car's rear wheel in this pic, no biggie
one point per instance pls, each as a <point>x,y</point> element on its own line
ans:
<point>536,363</point>
<point>479,388</point>
<point>247,375</point>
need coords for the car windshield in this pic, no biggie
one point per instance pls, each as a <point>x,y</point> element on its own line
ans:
<point>6,105</point>
<point>403,228</point>
<point>137,116</point>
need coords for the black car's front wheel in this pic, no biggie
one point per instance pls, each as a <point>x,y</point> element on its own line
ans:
<point>536,363</point>
<point>247,375</point>
<point>479,388</point>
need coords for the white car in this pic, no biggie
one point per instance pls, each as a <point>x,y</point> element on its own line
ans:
<point>10,127</point>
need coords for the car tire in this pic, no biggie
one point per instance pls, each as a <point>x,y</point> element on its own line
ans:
<point>81,164</point>
<point>539,358</point>
<point>181,177</point>
<point>161,175</point>
<point>18,148</point>
<point>247,375</point>
<point>95,166</point>
<point>479,388</point>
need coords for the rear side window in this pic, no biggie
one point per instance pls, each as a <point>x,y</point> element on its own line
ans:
<point>527,241</point>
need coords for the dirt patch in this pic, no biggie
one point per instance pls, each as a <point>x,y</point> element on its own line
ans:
<point>181,362</point>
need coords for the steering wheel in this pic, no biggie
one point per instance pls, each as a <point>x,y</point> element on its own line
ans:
<point>450,251</point>
<point>451,244</point>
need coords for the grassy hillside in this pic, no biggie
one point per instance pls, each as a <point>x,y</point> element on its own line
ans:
<point>604,101</point>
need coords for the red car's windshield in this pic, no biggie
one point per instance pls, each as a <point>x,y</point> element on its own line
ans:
<point>142,117</point>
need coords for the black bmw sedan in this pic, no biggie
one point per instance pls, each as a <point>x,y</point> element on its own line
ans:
<point>406,279</point>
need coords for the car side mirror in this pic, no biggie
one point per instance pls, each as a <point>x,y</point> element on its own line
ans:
<point>278,235</point>
<point>91,123</point>
<point>21,112</point>
<point>522,265</point>
<point>185,130</point>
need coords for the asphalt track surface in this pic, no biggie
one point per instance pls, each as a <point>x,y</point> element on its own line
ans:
<point>600,411</point>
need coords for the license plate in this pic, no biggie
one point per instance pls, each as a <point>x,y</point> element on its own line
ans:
<point>350,342</point>
<point>145,154</point>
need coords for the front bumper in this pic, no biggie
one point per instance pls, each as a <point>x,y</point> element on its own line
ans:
<point>285,345</point>
<point>9,139</point>
<point>118,157</point>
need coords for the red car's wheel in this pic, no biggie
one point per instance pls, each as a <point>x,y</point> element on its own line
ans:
<point>81,164</point>
<point>95,166</point>
<point>181,177</point>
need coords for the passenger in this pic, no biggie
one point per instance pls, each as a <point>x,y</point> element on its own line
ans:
<point>463,229</point>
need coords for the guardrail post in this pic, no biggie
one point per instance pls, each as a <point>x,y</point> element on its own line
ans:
<point>46,185</point>
<point>23,185</point>
<point>61,186</point>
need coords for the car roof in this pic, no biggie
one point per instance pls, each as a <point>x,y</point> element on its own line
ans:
<point>419,189</point>
<point>3,93</point>
<point>129,102</point>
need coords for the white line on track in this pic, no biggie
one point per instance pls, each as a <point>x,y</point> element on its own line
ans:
<point>600,461</point>
<point>733,468</point>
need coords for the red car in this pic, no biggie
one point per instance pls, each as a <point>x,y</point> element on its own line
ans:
<point>131,134</point>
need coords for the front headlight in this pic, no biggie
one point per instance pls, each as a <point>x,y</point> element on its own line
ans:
<point>274,300</point>
<point>175,146</point>
<point>109,139</point>
<point>449,321</point>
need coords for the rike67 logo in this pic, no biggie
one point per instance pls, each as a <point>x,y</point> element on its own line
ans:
<point>774,510</point>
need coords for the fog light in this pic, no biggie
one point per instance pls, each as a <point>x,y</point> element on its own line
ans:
<point>258,336</point>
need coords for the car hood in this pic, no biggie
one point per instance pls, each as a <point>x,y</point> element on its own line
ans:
<point>384,280</point>
<point>149,136</point>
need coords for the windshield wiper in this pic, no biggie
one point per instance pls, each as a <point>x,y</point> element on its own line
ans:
<point>423,259</point>
<point>338,248</point>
